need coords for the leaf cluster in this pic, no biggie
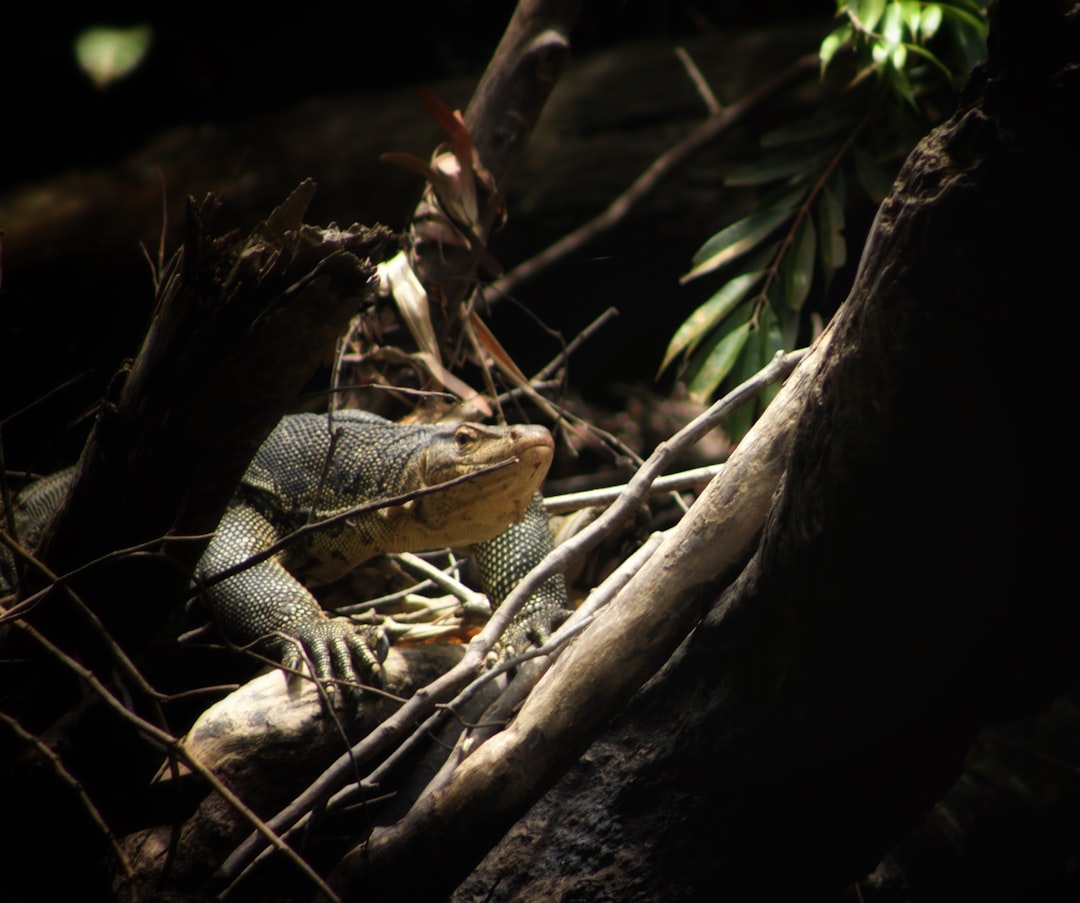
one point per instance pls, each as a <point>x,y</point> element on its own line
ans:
<point>887,69</point>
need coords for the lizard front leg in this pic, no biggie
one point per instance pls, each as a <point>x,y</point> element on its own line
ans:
<point>265,603</point>
<point>504,561</point>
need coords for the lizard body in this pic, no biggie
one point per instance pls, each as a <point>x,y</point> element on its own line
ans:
<point>300,475</point>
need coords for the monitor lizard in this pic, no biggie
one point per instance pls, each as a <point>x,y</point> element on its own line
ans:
<point>300,475</point>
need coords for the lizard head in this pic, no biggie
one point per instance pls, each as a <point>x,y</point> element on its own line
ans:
<point>480,508</point>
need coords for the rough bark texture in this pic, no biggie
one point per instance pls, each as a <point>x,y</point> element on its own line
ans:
<point>904,591</point>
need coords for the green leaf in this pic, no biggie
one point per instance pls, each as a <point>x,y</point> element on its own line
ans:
<point>830,213</point>
<point>769,340</point>
<point>972,21</point>
<point>892,24</point>
<point>709,314</point>
<point>719,363</point>
<point>736,239</point>
<point>911,11</point>
<point>869,12</point>
<point>874,180</point>
<point>899,60</point>
<point>765,341</point>
<point>927,55</point>
<point>900,82</point>
<point>776,166</point>
<point>799,269</point>
<point>971,43</point>
<point>929,21</point>
<point>107,54</point>
<point>833,41</point>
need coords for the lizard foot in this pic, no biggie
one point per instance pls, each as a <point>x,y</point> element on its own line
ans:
<point>340,651</point>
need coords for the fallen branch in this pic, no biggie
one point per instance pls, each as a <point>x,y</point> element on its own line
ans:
<point>606,495</point>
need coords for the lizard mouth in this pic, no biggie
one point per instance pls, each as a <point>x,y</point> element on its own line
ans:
<point>534,453</point>
<point>535,446</point>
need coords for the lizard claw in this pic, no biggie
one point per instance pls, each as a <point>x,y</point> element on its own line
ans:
<point>530,630</point>
<point>340,650</point>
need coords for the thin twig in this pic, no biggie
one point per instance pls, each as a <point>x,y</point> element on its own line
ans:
<point>441,579</point>
<point>447,710</point>
<point>20,552</point>
<point>699,80</point>
<point>674,482</point>
<point>634,494</point>
<point>526,678</point>
<point>550,368</point>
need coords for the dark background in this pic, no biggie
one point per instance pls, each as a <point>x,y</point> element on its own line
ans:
<point>249,105</point>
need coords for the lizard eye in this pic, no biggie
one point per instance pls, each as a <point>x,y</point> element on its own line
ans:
<point>464,438</point>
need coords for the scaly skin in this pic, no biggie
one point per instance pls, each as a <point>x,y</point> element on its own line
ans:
<point>372,459</point>
<point>498,515</point>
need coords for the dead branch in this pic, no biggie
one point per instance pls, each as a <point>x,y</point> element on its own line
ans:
<point>176,748</point>
<point>499,119</point>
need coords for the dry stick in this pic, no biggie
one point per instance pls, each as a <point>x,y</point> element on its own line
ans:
<point>126,665</point>
<point>699,80</point>
<point>648,180</point>
<point>441,579</point>
<point>177,748</point>
<point>672,482</point>
<point>550,368</point>
<point>539,659</point>
<point>548,650</point>
<point>636,491</point>
<point>424,701</point>
<point>348,795</point>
